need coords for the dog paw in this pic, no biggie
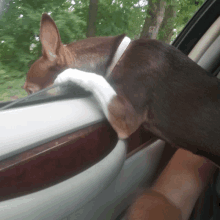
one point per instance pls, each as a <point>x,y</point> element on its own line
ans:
<point>66,75</point>
<point>101,89</point>
<point>82,78</point>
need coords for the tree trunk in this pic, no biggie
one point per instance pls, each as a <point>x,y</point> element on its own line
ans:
<point>154,18</point>
<point>91,28</point>
<point>4,5</point>
<point>166,28</point>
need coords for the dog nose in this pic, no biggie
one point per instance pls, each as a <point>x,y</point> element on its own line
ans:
<point>27,89</point>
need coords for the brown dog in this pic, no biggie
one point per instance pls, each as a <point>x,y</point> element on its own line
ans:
<point>153,84</point>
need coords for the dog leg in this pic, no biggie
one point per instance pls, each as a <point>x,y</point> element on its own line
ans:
<point>117,110</point>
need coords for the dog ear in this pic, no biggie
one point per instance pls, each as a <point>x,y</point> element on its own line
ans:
<point>50,37</point>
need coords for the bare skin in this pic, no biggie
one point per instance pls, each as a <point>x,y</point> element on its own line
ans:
<point>175,192</point>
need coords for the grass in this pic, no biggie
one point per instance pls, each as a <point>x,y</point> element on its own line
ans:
<point>11,90</point>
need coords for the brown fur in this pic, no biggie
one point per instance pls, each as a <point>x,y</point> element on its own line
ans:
<point>177,100</point>
<point>92,55</point>
<point>157,86</point>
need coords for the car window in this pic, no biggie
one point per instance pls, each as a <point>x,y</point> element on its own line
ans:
<point>20,44</point>
<point>68,90</point>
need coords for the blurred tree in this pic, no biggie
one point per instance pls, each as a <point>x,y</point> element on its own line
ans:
<point>165,16</point>
<point>91,24</point>
<point>166,30</point>
<point>154,18</point>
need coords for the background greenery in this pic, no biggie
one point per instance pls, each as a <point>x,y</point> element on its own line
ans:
<point>20,23</point>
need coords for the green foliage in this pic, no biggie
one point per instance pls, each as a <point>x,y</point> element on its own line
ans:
<point>19,29</point>
<point>115,17</point>
<point>185,9</point>
<point>11,89</point>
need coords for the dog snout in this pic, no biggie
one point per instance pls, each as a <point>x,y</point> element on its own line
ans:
<point>29,91</point>
<point>27,88</point>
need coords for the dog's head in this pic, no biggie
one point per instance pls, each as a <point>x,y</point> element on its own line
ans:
<point>92,55</point>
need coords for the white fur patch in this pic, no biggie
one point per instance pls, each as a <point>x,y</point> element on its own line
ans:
<point>92,82</point>
<point>119,52</point>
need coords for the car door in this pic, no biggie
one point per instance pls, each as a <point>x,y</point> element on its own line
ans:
<point>60,158</point>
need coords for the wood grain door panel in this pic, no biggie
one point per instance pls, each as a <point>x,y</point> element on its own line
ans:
<point>60,159</point>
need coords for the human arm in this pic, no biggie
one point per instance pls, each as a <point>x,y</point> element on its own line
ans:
<point>176,190</point>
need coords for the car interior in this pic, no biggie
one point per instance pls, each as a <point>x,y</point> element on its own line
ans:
<point>61,160</point>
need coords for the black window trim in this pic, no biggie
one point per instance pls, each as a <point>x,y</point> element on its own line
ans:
<point>197,26</point>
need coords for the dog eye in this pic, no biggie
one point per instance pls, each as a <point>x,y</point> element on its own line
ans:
<point>29,91</point>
